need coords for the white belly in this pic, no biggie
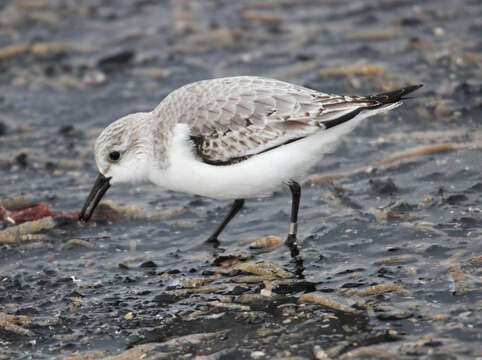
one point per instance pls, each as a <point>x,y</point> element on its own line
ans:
<point>257,176</point>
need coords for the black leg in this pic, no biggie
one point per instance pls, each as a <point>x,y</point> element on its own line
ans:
<point>295,205</point>
<point>291,239</point>
<point>237,205</point>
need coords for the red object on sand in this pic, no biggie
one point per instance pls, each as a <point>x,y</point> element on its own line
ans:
<point>102,213</point>
<point>41,210</point>
<point>32,212</point>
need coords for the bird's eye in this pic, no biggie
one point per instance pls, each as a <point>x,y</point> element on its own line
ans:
<point>114,155</point>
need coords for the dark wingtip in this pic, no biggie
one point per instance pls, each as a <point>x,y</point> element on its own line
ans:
<point>396,95</point>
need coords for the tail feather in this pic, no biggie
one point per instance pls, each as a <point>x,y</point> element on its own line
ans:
<point>394,96</point>
<point>377,103</point>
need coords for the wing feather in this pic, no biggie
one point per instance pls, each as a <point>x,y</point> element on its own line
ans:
<point>237,117</point>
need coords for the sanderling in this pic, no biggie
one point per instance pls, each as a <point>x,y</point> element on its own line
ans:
<point>230,138</point>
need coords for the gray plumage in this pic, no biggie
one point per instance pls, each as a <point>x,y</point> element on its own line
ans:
<point>236,117</point>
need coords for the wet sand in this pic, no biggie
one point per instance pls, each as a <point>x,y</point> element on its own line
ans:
<point>390,222</point>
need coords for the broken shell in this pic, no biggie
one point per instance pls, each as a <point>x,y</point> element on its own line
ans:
<point>268,241</point>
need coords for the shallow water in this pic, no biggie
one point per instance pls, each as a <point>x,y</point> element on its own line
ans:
<point>396,246</point>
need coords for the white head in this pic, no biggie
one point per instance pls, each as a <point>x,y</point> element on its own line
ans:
<point>121,150</point>
<point>122,155</point>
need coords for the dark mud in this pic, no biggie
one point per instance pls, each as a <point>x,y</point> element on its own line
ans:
<point>391,239</point>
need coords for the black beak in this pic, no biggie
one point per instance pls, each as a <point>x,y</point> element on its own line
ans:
<point>98,190</point>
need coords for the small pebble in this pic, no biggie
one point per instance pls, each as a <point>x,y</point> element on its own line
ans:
<point>258,354</point>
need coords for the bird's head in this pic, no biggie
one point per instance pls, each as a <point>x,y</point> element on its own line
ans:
<point>121,156</point>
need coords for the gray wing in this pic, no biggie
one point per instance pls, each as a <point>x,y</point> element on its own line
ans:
<point>234,118</point>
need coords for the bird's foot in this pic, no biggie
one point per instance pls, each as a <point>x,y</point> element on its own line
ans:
<point>292,244</point>
<point>213,240</point>
<point>291,240</point>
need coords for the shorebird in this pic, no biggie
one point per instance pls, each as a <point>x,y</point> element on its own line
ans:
<point>231,138</point>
